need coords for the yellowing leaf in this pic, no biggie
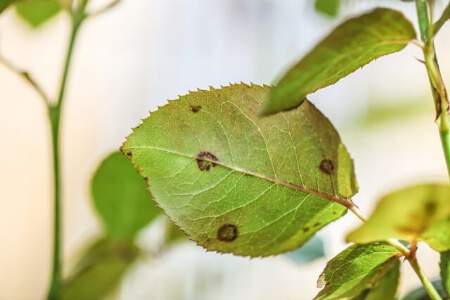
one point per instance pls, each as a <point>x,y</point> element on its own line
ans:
<point>238,183</point>
<point>416,213</point>
<point>361,272</point>
<point>349,47</point>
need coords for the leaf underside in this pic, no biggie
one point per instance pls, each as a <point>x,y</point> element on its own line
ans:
<point>349,47</point>
<point>237,183</point>
<point>361,272</point>
<point>420,213</point>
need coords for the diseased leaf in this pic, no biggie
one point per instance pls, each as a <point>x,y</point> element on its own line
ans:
<point>328,7</point>
<point>361,272</point>
<point>37,12</point>
<point>421,294</point>
<point>445,271</point>
<point>349,47</point>
<point>100,269</point>
<point>121,197</point>
<point>416,213</point>
<point>311,251</point>
<point>237,183</point>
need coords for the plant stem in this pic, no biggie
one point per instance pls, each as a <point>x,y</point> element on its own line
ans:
<point>444,18</point>
<point>27,77</point>
<point>427,285</point>
<point>55,116</point>
<point>436,81</point>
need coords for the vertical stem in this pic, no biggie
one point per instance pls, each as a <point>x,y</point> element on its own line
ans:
<point>55,116</point>
<point>427,285</point>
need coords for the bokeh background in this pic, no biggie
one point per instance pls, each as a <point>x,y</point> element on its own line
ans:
<point>128,62</point>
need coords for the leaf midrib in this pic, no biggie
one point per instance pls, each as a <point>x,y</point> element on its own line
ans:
<point>347,202</point>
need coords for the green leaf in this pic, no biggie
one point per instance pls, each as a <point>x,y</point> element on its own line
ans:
<point>361,272</point>
<point>421,294</point>
<point>328,7</point>
<point>445,271</point>
<point>311,251</point>
<point>349,47</point>
<point>100,269</point>
<point>37,12</point>
<point>238,183</point>
<point>416,213</point>
<point>121,197</point>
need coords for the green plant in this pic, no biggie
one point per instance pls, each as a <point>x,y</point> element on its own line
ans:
<point>257,171</point>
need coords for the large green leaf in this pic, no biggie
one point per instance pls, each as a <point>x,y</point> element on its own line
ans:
<point>416,213</point>
<point>361,272</point>
<point>349,47</point>
<point>445,271</point>
<point>328,7</point>
<point>237,183</point>
<point>100,269</point>
<point>37,12</point>
<point>121,197</point>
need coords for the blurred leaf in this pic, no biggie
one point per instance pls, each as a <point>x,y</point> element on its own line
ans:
<point>419,212</point>
<point>312,250</point>
<point>445,271</point>
<point>238,183</point>
<point>5,3</point>
<point>100,269</point>
<point>421,294</point>
<point>358,271</point>
<point>349,47</point>
<point>121,197</point>
<point>328,7</point>
<point>37,12</point>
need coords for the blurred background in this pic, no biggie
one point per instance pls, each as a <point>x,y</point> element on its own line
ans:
<point>130,61</point>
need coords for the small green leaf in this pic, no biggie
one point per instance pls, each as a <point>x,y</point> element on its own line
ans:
<point>37,12</point>
<point>361,272</point>
<point>445,271</point>
<point>421,294</point>
<point>328,7</point>
<point>237,183</point>
<point>311,251</point>
<point>349,47</point>
<point>121,197</point>
<point>416,213</point>
<point>100,269</point>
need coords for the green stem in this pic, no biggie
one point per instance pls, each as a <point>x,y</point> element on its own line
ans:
<point>427,285</point>
<point>55,116</point>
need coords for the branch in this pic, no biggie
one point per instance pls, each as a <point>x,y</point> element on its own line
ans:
<point>104,9</point>
<point>27,77</point>
<point>444,18</point>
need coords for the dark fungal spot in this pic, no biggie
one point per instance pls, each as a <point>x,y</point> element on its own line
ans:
<point>128,154</point>
<point>195,108</point>
<point>227,233</point>
<point>306,229</point>
<point>205,160</point>
<point>316,224</point>
<point>430,208</point>
<point>326,166</point>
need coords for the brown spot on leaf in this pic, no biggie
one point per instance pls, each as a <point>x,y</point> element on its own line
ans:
<point>406,230</point>
<point>227,233</point>
<point>195,108</point>
<point>430,208</point>
<point>326,166</point>
<point>129,154</point>
<point>316,224</point>
<point>205,160</point>
<point>306,229</point>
